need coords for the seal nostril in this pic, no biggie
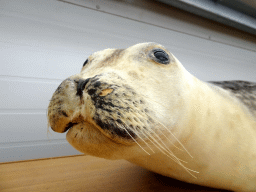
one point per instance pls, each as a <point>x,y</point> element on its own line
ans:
<point>80,86</point>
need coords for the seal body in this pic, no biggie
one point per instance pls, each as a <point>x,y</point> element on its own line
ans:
<point>140,104</point>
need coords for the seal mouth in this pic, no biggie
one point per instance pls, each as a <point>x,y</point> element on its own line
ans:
<point>69,125</point>
<point>111,106</point>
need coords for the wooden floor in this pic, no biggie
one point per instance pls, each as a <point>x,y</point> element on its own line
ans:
<point>85,173</point>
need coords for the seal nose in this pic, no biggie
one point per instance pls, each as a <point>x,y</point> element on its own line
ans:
<point>80,86</point>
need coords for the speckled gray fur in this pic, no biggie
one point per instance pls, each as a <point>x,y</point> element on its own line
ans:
<point>245,91</point>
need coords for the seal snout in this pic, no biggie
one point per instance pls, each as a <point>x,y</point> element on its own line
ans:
<point>83,82</point>
<point>73,96</point>
<point>64,103</point>
<point>104,100</point>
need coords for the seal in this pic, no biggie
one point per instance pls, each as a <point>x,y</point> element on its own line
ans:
<point>142,105</point>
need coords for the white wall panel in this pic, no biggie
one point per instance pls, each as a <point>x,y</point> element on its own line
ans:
<point>51,55</point>
<point>210,67</point>
<point>28,125</point>
<point>145,11</point>
<point>21,93</point>
<point>44,42</point>
<point>82,29</point>
<point>31,150</point>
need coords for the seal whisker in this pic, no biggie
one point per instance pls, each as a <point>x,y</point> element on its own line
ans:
<point>48,126</point>
<point>166,138</point>
<point>157,144</point>
<point>163,149</point>
<point>133,138</point>
<point>175,138</point>
<point>177,160</point>
<point>142,139</point>
<point>137,142</point>
<point>187,169</point>
<point>168,130</point>
<point>170,141</point>
<point>192,170</point>
<point>173,157</point>
<point>48,130</point>
<point>170,154</point>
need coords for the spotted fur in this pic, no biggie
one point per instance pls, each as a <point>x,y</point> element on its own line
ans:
<point>245,91</point>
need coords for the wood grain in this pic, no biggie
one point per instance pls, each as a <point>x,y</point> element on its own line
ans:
<point>85,173</point>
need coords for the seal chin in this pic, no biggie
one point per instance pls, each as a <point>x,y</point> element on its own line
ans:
<point>90,140</point>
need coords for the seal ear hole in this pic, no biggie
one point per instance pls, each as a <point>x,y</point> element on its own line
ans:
<point>160,56</point>
<point>85,62</point>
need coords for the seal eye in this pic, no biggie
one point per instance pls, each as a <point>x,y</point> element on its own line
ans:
<point>161,56</point>
<point>85,62</point>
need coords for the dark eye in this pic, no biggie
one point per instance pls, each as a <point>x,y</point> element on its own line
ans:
<point>85,62</point>
<point>160,56</point>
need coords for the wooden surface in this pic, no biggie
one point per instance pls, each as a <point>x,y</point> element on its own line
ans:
<point>85,173</point>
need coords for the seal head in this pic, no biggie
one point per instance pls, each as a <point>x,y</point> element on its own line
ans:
<point>104,100</point>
